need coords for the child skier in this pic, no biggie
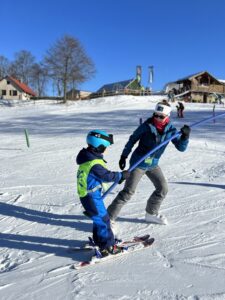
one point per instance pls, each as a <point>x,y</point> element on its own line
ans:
<point>91,175</point>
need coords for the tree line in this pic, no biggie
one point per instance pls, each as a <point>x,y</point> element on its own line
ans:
<point>65,65</point>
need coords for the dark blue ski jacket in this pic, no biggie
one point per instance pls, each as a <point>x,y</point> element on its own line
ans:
<point>98,172</point>
<point>148,137</point>
<point>97,175</point>
<point>92,174</point>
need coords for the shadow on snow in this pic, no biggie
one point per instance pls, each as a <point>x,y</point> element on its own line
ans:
<point>119,121</point>
<point>58,247</point>
<point>43,217</point>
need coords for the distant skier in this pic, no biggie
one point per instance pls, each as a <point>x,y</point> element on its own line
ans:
<point>180,110</point>
<point>171,96</point>
<point>91,175</point>
<point>150,134</point>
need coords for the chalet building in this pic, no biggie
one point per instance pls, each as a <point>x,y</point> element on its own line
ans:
<point>77,95</point>
<point>131,86</point>
<point>12,89</point>
<point>199,87</point>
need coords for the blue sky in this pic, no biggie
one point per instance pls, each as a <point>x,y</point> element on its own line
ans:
<point>177,37</point>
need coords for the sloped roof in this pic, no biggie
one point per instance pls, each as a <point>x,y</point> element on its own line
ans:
<point>21,85</point>
<point>182,79</point>
<point>115,85</point>
<point>189,76</point>
<point>195,75</point>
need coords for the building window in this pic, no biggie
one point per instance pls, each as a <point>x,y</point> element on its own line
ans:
<point>8,82</point>
<point>3,92</point>
<point>13,93</point>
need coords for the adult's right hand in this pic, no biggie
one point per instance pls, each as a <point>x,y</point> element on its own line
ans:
<point>185,130</point>
<point>122,162</point>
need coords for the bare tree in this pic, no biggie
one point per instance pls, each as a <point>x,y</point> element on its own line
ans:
<point>57,85</point>
<point>39,78</point>
<point>4,66</point>
<point>22,66</point>
<point>68,63</point>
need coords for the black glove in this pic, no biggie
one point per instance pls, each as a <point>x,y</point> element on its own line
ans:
<point>185,130</point>
<point>124,176</point>
<point>122,162</point>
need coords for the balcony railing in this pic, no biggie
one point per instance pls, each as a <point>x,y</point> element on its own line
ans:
<point>208,88</point>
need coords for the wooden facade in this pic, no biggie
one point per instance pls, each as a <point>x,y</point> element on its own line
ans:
<point>199,87</point>
<point>77,95</point>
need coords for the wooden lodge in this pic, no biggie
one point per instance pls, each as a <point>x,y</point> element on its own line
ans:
<point>199,87</point>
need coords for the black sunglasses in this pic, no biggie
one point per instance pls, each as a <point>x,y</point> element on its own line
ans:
<point>159,116</point>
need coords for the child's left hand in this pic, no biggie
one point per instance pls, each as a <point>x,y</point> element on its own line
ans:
<point>124,175</point>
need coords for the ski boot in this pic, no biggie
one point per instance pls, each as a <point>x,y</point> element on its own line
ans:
<point>112,250</point>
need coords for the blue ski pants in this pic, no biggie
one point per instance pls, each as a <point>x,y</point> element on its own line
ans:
<point>102,233</point>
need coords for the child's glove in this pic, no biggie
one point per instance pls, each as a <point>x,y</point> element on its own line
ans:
<point>185,130</point>
<point>124,176</point>
<point>122,162</point>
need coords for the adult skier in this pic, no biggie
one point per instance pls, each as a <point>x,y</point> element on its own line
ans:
<point>150,134</point>
<point>180,110</point>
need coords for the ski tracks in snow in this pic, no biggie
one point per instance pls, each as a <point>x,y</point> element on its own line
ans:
<point>41,217</point>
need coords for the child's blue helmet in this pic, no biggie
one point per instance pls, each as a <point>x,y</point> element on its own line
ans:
<point>99,138</point>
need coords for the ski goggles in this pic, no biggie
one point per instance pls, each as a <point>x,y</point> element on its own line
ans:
<point>108,138</point>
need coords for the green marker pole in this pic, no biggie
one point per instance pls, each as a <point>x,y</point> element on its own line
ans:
<point>27,137</point>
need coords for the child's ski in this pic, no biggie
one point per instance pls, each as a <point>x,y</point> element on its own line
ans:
<point>136,239</point>
<point>128,248</point>
<point>91,246</point>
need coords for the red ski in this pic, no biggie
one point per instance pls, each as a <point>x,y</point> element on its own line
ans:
<point>90,246</point>
<point>128,247</point>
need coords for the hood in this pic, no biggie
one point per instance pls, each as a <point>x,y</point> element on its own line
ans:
<point>87,155</point>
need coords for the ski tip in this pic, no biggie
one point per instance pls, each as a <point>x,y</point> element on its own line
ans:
<point>144,237</point>
<point>149,242</point>
<point>72,267</point>
<point>80,265</point>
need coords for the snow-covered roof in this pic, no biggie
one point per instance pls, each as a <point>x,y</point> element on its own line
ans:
<point>222,81</point>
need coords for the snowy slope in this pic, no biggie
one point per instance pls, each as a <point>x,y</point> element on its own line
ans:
<point>41,217</point>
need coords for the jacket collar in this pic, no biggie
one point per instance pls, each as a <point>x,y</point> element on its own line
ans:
<point>153,128</point>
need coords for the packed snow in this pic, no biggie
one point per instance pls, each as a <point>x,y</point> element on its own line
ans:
<point>41,216</point>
